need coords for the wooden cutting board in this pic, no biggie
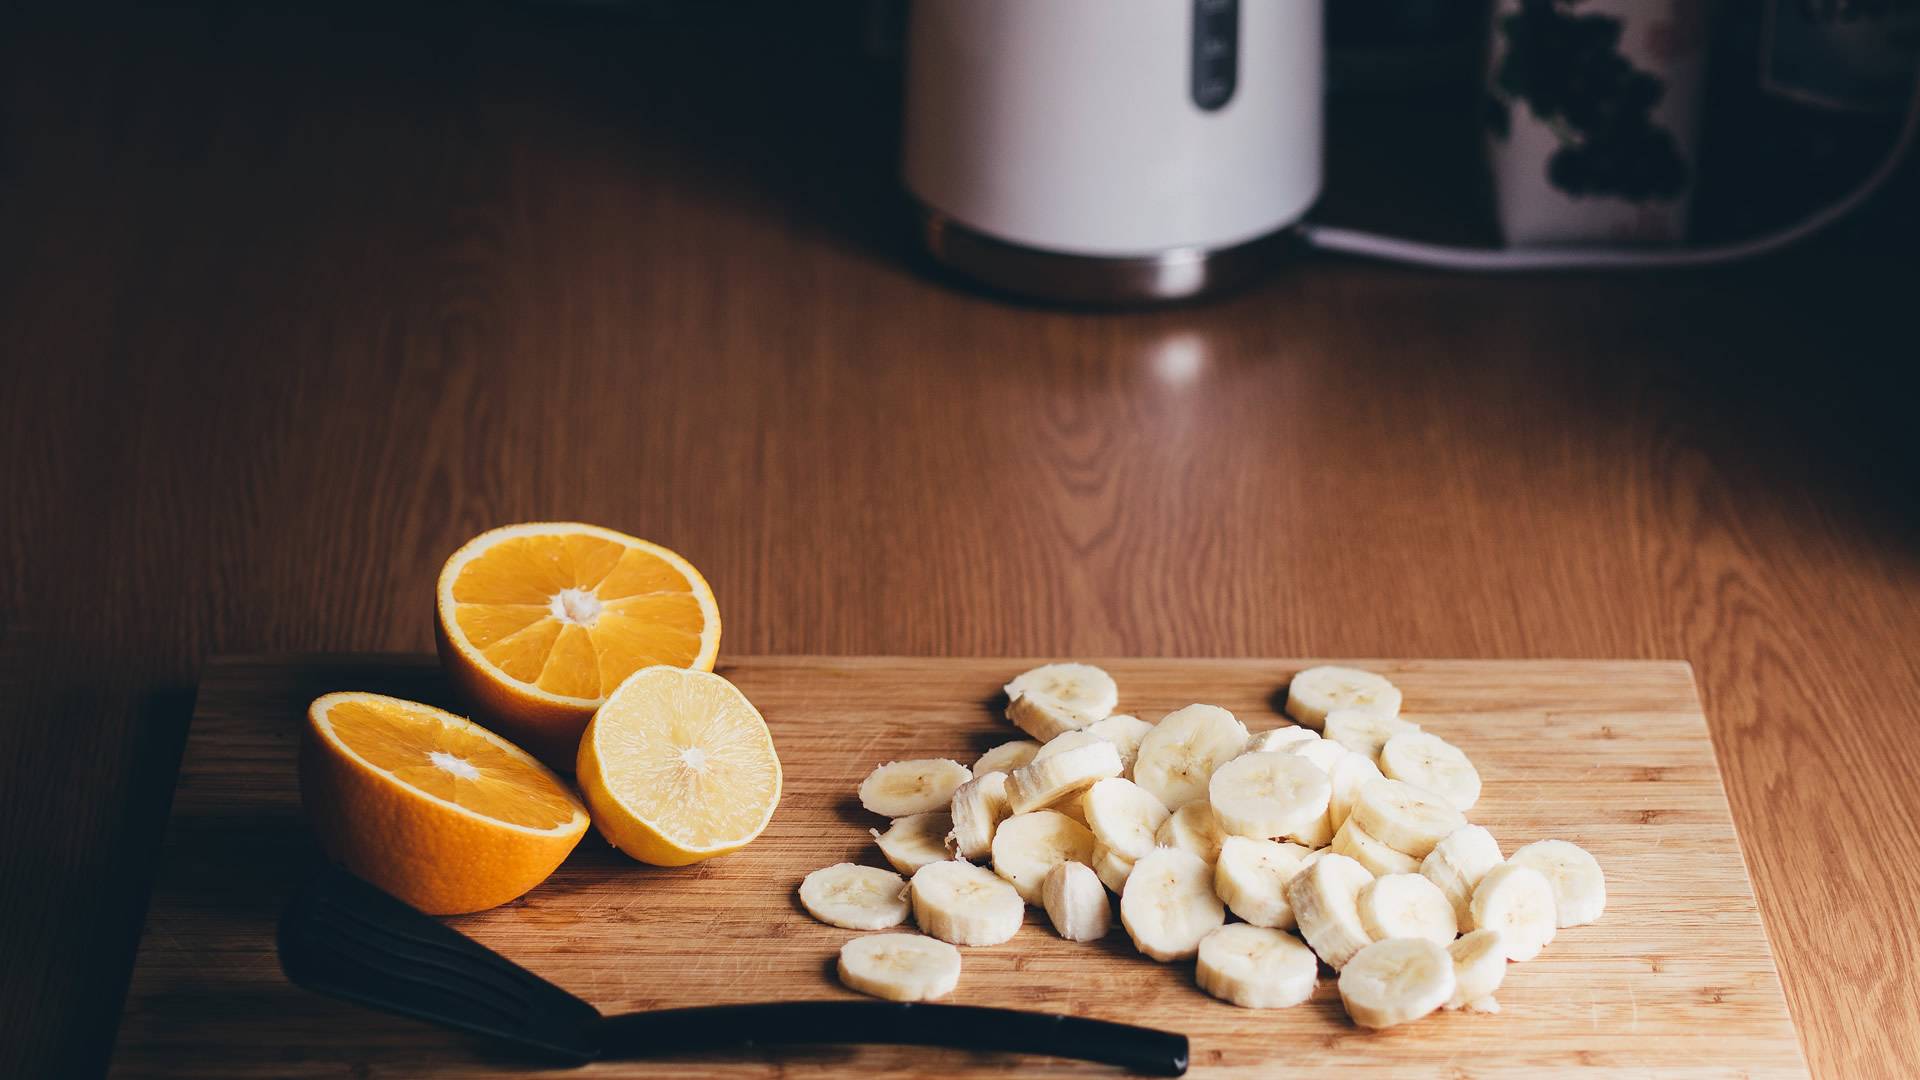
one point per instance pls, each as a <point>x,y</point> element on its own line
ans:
<point>1675,981</point>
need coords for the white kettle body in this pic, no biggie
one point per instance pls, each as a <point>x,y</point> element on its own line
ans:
<point>1112,150</point>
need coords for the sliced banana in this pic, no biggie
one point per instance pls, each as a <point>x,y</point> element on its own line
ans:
<point>1322,752</point>
<point>1076,902</point>
<point>1125,733</point>
<point>900,967</point>
<point>1276,738</point>
<point>1395,981</point>
<point>1318,834</point>
<point>1251,879</point>
<point>1457,864</point>
<point>913,841</point>
<point>855,897</point>
<point>979,806</point>
<point>1364,732</point>
<point>1193,830</point>
<point>1043,718</point>
<point>1406,906</point>
<point>899,788</point>
<point>1255,968</point>
<point>1317,691</point>
<point>1045,781</point>
<point>1479,967</point>
<point>965,904</point>
<point>1350,773</point>
<point>1168,905</point>
<point>1056,698</point>
<point>1123,816</point>
<point>1325,898</point>
<point>1027,846</point>
<point>1518,902</point>
<point>1112,868</point>
<point>1404,817</point>
<point>1366,849</point>
<point>1579,888</point>
<point>1067,740</point>
<point>1428,761</point>
<point>1006,757</point>
<point>1267,795</point>
<point>1179,755</point>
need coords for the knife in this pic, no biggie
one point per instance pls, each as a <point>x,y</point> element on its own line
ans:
<point>343,937</point>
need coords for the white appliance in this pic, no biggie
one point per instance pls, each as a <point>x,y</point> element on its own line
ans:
<point>1112,150</point>
<point>1130,151</point>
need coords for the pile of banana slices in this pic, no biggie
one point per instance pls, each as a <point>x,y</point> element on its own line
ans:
<point>1349,828</point>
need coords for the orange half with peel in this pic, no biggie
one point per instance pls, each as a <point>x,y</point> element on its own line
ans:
<point>429,806</point>
<point>539,622</point>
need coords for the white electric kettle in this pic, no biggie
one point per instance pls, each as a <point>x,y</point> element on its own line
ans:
<point>1112,150</point>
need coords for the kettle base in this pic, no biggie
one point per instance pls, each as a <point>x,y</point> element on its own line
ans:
<point>1097,280</point>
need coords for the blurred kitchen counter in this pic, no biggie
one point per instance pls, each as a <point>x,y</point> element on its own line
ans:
<point>293,303</point>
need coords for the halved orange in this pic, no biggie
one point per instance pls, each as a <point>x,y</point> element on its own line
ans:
<point>539,622</point>
<point>678,767</point>
<point>433,808</point>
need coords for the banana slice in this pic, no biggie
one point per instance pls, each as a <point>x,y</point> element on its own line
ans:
<point>1366,849</point>
<point>1045,781</point>
<point>965,904</point>
<point>1457,864</point>
<point>855,897</point>
<point>1056,698</point>
<point>1349,774</point>
<point>1125,733</point>
<point>1431,762</point>
<point>1364,732</point>
<point>1404,817</point>
<point>1325,898</point>
<point>1067,740</point>
<point>1317,691</point>
<point>1406,906</point>
<point>1274,739</point>
<point>1123,816</point>
<point>1251,879</point>
<point>1026,846</point>
<point>913,841</point>
<point>1256,968</point>
<point>1518,902</point>
<point>900,967</point>
<point>899,788</point>
<point>1006,757</point>
<point>1168,905</point>
<point>1193,830</point>
<point>1265,795</point>
<point>1393,982</point>
<point>1324,753</point>
<point>1076,902</point>
<point>1179,755</point>
<point>1579,888</point>
<point>1479,967</point>
<point>1112,868</point>
<point>1316,835</point>
<point>979,806</point>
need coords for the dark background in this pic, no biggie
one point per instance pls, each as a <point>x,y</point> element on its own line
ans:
<point>295,298</point>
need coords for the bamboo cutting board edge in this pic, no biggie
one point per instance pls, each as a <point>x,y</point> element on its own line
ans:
<point>192,952</point>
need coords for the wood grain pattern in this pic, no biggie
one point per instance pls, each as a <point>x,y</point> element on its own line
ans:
<point>1674,981</point>
<point>294,299</point>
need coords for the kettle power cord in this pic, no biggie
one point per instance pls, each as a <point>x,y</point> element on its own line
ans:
<point>1507,260</point>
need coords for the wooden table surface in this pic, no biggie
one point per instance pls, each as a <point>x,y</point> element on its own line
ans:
<point>290,305</point>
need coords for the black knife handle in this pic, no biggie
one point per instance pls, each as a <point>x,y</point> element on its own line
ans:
<point>969,1027</point>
